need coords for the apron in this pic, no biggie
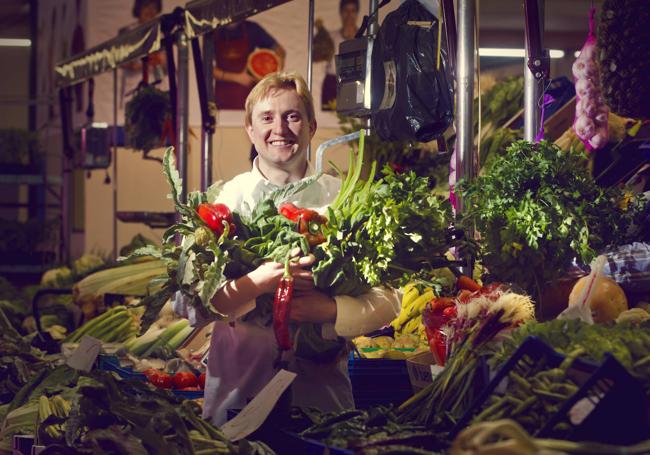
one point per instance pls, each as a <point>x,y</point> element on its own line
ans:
<point>231,55</point>
<point>241,362</point>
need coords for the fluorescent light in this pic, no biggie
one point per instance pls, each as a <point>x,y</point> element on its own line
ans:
<point>576,54</point>
<point>496,52</point>
<point>513,53</point>
<point>15,42</point>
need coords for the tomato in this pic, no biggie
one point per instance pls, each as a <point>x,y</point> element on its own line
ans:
<point>161,380</point>
<point>202,380</point>
<point>465,296</point>
<point>449,312</point>
<point>190,389</point>
<point>184,379</point>
<point>149,371</point>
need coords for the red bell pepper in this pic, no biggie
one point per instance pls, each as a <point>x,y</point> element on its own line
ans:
<point>216,217</point>
<point>309,221</point>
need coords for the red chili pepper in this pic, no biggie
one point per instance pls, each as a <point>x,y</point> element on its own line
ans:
<point>184,379</point>
<point>214,216</point>
<point>466,283</point>
<point>281,307</point>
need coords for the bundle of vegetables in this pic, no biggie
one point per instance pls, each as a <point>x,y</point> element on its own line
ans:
<point>138,278</point>
<point>628,341</point>
<point>537,208</point>
<point>97,413</point>
<point>477,318</point>
<point>18,362</point>
<point>116,325</point>
<point>534,399</point>
<point>160,341</point>
<point>507,437</point>
<point>382,232</point>
<point>371,431</point>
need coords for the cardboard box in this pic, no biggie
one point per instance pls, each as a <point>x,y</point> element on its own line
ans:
<point>421,368</point>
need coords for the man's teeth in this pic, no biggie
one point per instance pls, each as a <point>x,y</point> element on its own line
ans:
<point>280,143</point>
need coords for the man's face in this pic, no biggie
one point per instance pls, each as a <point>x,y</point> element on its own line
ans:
<point>349,15</point>
<point>280,129</point>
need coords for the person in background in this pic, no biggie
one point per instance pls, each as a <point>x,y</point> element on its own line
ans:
<point>145,11</point>
<point>280,122</point>
<point>233,44</point>
<point>349,12</point>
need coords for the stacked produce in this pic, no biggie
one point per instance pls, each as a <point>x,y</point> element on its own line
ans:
<point>95,413</point>
<point>536,208</point>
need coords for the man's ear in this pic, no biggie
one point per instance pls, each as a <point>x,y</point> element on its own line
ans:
<point>249,131</point>
<point>312,129</point>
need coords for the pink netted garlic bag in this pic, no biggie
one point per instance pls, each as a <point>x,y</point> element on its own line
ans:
<point>590,122</point>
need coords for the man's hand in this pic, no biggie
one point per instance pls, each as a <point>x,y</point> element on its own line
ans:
<point>312,306</point>
<point>267,276</point>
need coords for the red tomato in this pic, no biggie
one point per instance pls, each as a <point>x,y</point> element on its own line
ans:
<point>190,389</point>
<point>149,371</point>
<point>202,380</point>
<point>161,380</point>
<point>449,312</point>
<point>184,379</point>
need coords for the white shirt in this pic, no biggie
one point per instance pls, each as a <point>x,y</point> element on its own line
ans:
<point>240,362</point>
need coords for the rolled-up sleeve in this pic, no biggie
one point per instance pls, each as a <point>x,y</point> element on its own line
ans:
<point>368,312</point>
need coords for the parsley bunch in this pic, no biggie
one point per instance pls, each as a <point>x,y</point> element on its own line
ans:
<point>537,208</point>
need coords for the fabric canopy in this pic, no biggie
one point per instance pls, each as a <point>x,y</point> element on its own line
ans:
<point>200,16</point>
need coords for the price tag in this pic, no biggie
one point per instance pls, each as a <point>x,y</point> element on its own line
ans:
<point>83,358</point>
<point>436,370</point>
<point>256,412</point>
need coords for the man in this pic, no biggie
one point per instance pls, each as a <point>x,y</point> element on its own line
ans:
<point>280,123</point>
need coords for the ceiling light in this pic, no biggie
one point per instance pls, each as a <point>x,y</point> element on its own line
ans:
<point>576,54</point>
<point>513,53</point>
<point>15,42</point>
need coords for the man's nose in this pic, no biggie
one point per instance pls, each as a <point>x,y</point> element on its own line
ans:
<point>279,125</point>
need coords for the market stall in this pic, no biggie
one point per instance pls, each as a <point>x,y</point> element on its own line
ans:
<point>524,302</point>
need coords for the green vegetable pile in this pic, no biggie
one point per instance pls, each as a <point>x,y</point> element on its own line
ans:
<point>629,342</point>
<point>371,431</point>
<point>537,209</point>
<point>98,413</point>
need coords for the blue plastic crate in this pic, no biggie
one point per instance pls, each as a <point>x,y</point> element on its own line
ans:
<point>378,381</point>
<point>112,363</point>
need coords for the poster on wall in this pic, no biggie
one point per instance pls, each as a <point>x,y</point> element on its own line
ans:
<point>276,38</point>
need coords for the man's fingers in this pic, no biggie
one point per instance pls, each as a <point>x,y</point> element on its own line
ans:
<point>306,260</point>
<point>295,252</point>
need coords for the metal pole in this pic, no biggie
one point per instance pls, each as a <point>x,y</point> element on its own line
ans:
<point>182,108</point>
<point>310,58</point>
<point>207,134</point>
<point>533,87</point>
<point>310,42</point>
<point>373,27</point>
<point>115,253</point>
<point>465,90</point>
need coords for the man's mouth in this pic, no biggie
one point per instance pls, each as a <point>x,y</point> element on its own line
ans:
<point>281,143</point>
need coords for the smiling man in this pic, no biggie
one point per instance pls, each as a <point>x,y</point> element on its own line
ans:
<point>280,123</point>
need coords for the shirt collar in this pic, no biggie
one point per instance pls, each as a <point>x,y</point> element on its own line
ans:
<point>259,177</point>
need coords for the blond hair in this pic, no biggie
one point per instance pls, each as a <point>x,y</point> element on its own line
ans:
<point>277,81</point>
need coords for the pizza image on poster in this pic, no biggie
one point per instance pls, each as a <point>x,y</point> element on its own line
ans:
<point>262,62</point>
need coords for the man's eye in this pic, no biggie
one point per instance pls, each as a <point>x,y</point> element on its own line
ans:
<point>293,117</point>
<point>266,118</point>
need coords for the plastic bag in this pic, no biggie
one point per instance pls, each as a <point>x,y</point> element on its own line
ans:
<point>422,103</point>
<point>590,122</point>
